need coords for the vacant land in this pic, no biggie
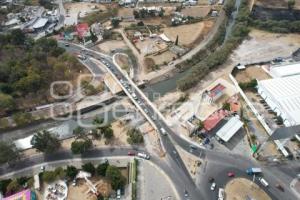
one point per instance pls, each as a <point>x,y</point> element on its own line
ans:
<point>188,34</point>
<point>123,61</point>
<point>265,46</point>
<point>254,72</point>
<point>240,188</point>
<point>107,46</point>
<point>82,190</point>
<point>196,11</point>
<point>163,58</point>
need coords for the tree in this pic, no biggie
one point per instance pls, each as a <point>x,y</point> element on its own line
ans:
<point>114,175</point>
<point>71,172</point>
<point>115,22</point>
<point>79,147</point>
<point>45,142</point>
<point>226,106</point>
<point>60,173</point>
<point>101,168</point>
<point>136,14</point>
<point>291,4</point>
<point>3,185</point>
<point>78,132</point>
<point>17,37</point>
<point>6,102</point>
<point>22,118</point>
<point>134,136</point>
<point>161,12</point>
<point>229,7</point>
<point>89,167</point>
<point>13,187</point>
<point>140,23</point>
<point>49,176</point>
<point>8,152</point>
<point>108,132</point>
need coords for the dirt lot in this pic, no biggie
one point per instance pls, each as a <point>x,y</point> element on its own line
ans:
<point>196,11</point>
<point>163,58</point>
<point>188,34</point>
<point>123,61</point>
<point>254,72</point>
<point>276,3</point>
<point>150,46</point>
<point>107,46</point>
<point>239,188</point>
<point>81,191</point>
<point>265,46</point>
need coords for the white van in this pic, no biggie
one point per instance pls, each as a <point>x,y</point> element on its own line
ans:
<point>263,182</point>
<point>118,194</point>
<point>143,155</point>
<point>163,131</point>
<point>221,194</point>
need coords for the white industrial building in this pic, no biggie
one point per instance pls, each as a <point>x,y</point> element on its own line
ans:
<point>283,97</point>
<point>285,70</point>
<point>229,129</point>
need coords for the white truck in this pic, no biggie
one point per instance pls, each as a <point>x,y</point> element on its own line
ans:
<point>263,182</point>
<point>143,155</point>
<point>221,194</point>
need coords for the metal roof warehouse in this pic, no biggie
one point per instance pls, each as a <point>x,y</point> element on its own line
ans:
<point>283,97</point>
<point>229,129</point>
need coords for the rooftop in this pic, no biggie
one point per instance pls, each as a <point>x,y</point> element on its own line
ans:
<point>41,22</point>
<point>285,70</point>
<point>283,96</point>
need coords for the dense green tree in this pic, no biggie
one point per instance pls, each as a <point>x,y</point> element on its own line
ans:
<point>21,118</point>
<point>3,185</point>
<point>134,136</point>
<point>17,37</point>
<point>115,22</point>
<point>291,4</point>
<point>108,132</point>
<point>79,132</point>
<point>101,168</point>
<point>89,167</point>
<point>45,142</point>
<point>49,176</point>
<point>229,7</point>
<point>8,152</point>
<point>6,102</point>
<point>81,146</point>
<point>13,187</point>
<point>60,173</point>
<point>113,173</point>
<point>71,172</point>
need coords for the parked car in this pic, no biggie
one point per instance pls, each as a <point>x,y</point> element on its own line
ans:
<point>143,155</point>
<point>131,153</point>
<point>230,174</point>
<point>213,186</point>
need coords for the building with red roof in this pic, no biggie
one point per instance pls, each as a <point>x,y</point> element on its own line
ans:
<point>82,30</point>
<point>212,121</point>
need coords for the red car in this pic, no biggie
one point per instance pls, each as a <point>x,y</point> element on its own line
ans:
<point>230,174</point>
<point>131,153</point>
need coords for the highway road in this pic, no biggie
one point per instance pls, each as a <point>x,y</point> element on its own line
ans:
<point>174,162</point>
<point>217,164</point>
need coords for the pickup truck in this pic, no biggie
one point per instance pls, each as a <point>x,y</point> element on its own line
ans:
<point>253,170</point>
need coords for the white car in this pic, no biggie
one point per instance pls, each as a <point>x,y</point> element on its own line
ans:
<point>213,186</point>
